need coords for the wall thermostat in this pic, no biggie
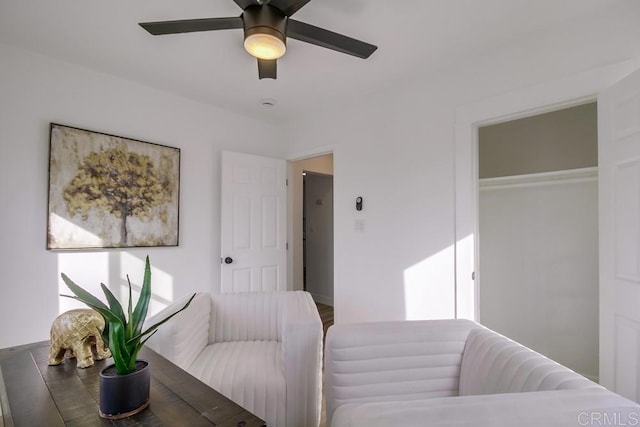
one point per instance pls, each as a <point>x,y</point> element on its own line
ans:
<point>359,203</point>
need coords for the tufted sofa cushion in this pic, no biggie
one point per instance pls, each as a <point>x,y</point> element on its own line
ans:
<point>492,363</point>
<point>393,361</point>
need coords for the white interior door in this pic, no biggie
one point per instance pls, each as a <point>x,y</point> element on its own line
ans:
<point>253,214</point>
<point>619,202</point>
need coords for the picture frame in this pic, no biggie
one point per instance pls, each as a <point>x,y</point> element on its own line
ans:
<point>107,191</point>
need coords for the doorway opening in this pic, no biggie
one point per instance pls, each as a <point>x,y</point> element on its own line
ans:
<point>317,232</point>
<point>311,271</point>
<point>538,233</point>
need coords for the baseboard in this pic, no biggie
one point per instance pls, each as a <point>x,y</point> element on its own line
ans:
<point>322,299</point>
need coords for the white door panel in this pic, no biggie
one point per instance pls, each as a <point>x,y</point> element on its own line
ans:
<point>619,200</point>
<point>253,214</point>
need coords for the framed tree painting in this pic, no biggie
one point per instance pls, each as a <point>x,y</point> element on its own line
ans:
<point>107,191</point>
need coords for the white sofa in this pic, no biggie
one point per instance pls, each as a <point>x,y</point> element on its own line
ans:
<point>455,373</point>
<point>260,349</point>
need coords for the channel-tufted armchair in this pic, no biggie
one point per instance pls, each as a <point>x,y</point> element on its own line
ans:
<point>260,349</point>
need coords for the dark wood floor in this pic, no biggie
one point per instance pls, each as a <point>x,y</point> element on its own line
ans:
<point>326,315</point>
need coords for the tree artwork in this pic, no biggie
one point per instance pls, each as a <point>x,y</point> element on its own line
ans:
<point>107,191</point>
<point>121,182</point>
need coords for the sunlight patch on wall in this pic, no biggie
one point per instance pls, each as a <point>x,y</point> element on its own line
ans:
<point>428,287</point>
<point>89,269</point>
<point>85,269</point>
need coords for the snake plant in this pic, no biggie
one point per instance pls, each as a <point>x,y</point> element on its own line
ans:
<point>123,334</point>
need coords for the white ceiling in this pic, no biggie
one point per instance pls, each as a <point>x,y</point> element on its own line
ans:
<point>413,36</point>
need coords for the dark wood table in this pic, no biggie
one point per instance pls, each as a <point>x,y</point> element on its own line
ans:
<point>35,394</point>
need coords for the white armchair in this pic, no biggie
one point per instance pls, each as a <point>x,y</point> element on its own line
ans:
<point>263,350</point>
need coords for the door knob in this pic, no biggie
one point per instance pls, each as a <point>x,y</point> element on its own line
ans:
<point>228,260</point>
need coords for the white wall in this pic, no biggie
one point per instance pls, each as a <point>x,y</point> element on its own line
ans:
<point>395,147</point>
<point>36,90</point>
<point>539,264</point>
<point>396,155</point>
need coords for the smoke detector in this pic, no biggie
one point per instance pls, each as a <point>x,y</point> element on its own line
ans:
<point>267,102</point>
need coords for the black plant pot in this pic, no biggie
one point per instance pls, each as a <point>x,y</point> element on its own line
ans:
<point>124,395</point>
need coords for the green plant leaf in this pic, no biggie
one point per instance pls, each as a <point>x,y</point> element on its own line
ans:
<point>134,354</point>
<point>102,309</point>
<point>114,304</point>
<point>142,306</point>
<point>119,352</point>
<point>144,341</point>
<point>83,295</point>
<point>129,311</point>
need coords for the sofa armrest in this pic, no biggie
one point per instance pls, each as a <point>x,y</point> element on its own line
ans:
<point>182,338</point>
<point>302,354</point>
<point>393,361</point>
<point>493,363</point>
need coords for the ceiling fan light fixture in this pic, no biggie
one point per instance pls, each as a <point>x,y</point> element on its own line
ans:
<point>267,24</point>
<point>264,43</point>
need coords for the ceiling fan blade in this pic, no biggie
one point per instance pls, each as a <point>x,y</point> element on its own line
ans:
<point>267,68</point>
<point>288,7</point>
<point>244,3</point>
<point>191,25</point>
<point>328,39</point>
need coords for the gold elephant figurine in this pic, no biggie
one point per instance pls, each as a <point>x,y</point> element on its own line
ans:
<point>77,333</point>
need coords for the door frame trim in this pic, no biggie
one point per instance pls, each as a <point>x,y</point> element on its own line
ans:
<point>566,92</point>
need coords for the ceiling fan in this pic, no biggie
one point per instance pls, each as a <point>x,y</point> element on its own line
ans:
<point>266,25</point>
